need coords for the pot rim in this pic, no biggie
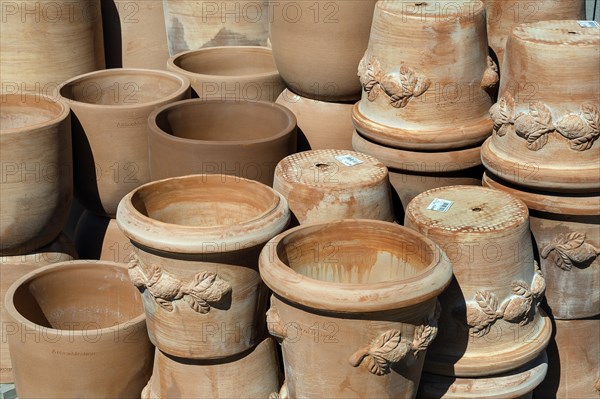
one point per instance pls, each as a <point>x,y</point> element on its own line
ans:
<point>88,264</point>
<point>175,238</point>
<point>342,297</point>
<point>290,128</point>
<point>56,120</point>
<point>184,85</point>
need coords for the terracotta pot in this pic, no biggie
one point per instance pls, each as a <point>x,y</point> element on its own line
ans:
<point>11,269</point>
<point>317,45</point>
<point>248,375</point>
<point>98,237</point>
<point>516,384</point>
<point>196,241</point>
<point>417,93</point>
<point>327,185</point>
<point>574,364</point>
<point>199,24</point>
<point>110,109</point>
<point>504,15</point>
<point>92,333</point>
<point>547,121</point>
<point>45,42</point>
<point>241,73</point>
<point>324,124</point>
<point>413,172</point>
<point>354,306</point>
<point>566,229</point>
<point>492,304</point>
<point>37,172</point>
<point>244,139</point>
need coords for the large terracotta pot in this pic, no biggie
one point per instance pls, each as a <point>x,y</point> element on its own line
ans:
<point>110,110</point>
<point>566,229</point>
<point>196,241</point>
<point>37,172</point>
<point>11,269</point>
<point>492,304</point>
<point>244,139</point>
<point>78,322</point>
<point>317,45</point>
<point>426,76</point>
<point>547,120</point>
<point>241,73</point>
<point>45,42</point>
<point>98,237</point>
<point>354,307</point>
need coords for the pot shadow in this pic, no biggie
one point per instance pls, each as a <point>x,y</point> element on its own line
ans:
<point>89,235</point>
<point>111,26</point>
<point>302,143</point>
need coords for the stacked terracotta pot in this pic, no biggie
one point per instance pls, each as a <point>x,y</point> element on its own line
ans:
<point>545,150</point>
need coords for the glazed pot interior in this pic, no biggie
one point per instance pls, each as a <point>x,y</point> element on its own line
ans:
<point>356,253</point>
<point>121,87</point>
<point>85,297</point>
<point>204,201</point>
<point>223,121</point>
<point>225,61</point>
<point>18,111</point>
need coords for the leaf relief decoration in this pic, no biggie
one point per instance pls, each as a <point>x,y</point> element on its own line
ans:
<point>568,250</point>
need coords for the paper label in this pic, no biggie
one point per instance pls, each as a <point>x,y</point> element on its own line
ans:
<point>440,205</point>
<point>348,160</point>
<point>588,24</point>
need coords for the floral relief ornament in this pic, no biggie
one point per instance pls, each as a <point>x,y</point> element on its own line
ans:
<point>570,249</point>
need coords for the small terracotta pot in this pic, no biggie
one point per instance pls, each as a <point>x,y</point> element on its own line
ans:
<point>92,333</point>
<point>37,171</point>
<point>354,306</point>
<point>244,139</point>
<point>492,304</point>
<point>566,229</point>
<point>325,125</point>
<point>240,73</point>
<point>547,120</point>
<point>196,242</point>
<point>327,185</point>
<point>417,94</point>
<point>98,237</point>
<point>110,112</point>
<point>317,45</point>
<point>248,375</point>
<point>11,269</point>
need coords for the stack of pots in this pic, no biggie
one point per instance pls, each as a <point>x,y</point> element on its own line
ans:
<point>545,150</point>
<point>426,80</point>
<point>196,241</point>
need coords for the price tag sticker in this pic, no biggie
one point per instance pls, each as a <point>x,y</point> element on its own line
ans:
<point>440,205</point>
<point>588,24</point>
<point>348,160</point>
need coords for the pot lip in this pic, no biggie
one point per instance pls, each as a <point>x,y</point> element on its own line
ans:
<point>342,297</point>
<point>289,129</point>
<point>171,62</point>
<point>57,119</point>
<point>183,82</point>
<point>183,239</point>
<point>88,264</point>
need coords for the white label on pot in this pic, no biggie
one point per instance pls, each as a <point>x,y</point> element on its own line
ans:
<point>348,160</point>
<point>588,24</point>
<point>440,205</point>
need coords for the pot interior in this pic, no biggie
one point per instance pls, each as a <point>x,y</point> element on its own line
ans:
<point>356,252</point>
<point>18,111</point>
<point>204,201</point>
<point>82,297</point>
<point>224,61</point>
<point>223,121</point>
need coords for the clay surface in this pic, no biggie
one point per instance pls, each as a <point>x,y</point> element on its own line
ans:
<point>98,237</point>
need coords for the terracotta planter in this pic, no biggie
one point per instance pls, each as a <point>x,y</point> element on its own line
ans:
<point>37,172</point>
<point>417,94</point>
<point>547,120</point>
<point>193,25</point>
<point>110,111</point>
<point>92,334</point>
<point>324,124</point>
<point>327,185</point>
<point>516,384</point>
<point>196,242</point>
<point>566,229</point>
<point>413,172</point>
<point>241,73</point>
<point>492,304</point>
<point>244,139</point>
<point>46,42</point>
<point>249,375</point>
<point>318,45</point>
<point>11,269</point>
<point>354,306</point>
<point>97,237</point>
